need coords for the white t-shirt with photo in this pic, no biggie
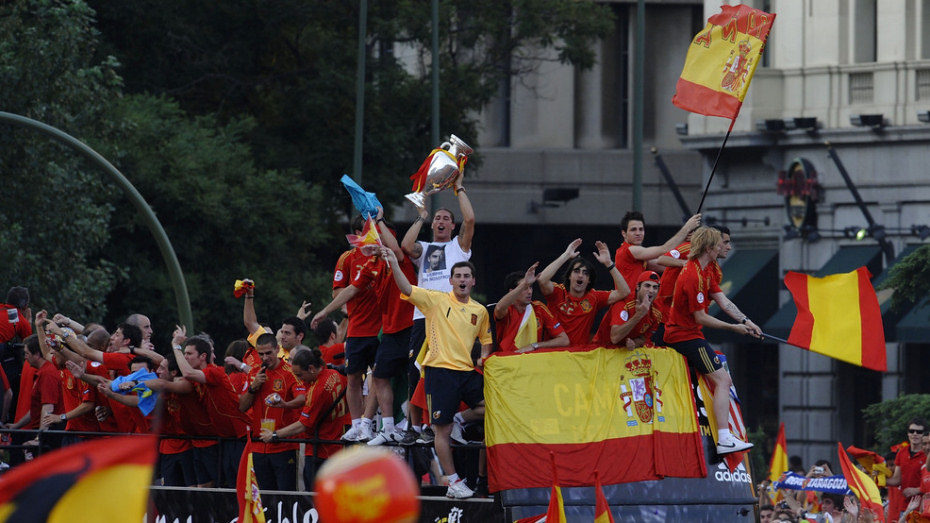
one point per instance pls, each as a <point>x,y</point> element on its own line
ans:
<point>434,266</point>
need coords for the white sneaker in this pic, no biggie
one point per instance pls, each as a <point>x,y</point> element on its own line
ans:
<point>731,444</point>
<point>364,432</point>
<point>351,434</point>
<point>459,490</point>
<point>456,434</point>
<point>383,437</point>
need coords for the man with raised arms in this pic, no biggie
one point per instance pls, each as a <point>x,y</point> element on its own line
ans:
<point>575,302</point>
<point>631,257</point>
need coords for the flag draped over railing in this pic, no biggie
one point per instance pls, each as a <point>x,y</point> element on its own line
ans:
<point>629,414</point>
<point>721,61</point>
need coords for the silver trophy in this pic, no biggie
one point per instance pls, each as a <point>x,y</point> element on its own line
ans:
<point>443,170</point>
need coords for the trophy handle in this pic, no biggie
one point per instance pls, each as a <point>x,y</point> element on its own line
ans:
<point>446,146</point>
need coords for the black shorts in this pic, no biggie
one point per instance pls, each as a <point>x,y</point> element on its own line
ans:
<point>360,353</point>
<point>700,355</point>
<point>206,464</point>
<point>417,336</point>
<point>446,388</point>
<point>393,353</point>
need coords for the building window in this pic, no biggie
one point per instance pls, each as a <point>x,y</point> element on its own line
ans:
<point>860,88</point>
<point>923,84</point>
<point>864,31</point>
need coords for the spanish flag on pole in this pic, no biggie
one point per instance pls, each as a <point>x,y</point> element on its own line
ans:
<point>67,485</point>
<point>250,500</point>
<point>862,486</point>
<point>369,235</point>
<point>839,316</point>
<point>721,61</point>
<point>779,463</point>
<point>601,508</point>
<point>556,512</point>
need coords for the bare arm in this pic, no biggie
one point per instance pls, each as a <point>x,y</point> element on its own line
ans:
<point>77,370</point>
<point>40,333</point>
<point>500,310</point>
<point>668,261</point>
<point>895,478</point>
<point>284,432</point>
<point>76,344</point>
<point>76,412</point>
<point>249,318</point>
<point>467,232</point>
<point>733,311</point>
<point>73,325</point>
<point>387,237</point>
<point>619,332</point>
<point>559,341</point>
<point>702,318</point>
<point>247,398</point>
<point>46,417</point>
<point>409,244</point>
<point>399,277</point>
<point>153,356</point>
<point>648,253</point>
<point>130,400</point>
<point>341,330</point>
<point>545,277</point>
<point>341,299</point>
<point>188,372</point>
<point>621,289</point>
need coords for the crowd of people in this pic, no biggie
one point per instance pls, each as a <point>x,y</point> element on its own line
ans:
<point>905,492</point>
<point>410,318</point>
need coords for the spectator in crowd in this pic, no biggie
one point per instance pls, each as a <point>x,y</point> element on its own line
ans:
<point>276,394</point>
<point>45,401</point>
<point>324,411</point>
<point>452,249</point>
<point>631,258</point>
<point>145,325</point>
<point>525,325</point>
<point>631,323</point>
<point>766,514</point>
<point>455,322</point>
<point>907,462</point>
<point>696,286</point>
<point>575,302</point>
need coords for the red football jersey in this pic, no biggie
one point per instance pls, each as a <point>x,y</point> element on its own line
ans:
<point>547,326</point>
<point>364,311</point>
<point>576,314</point>
<point>693,292</point>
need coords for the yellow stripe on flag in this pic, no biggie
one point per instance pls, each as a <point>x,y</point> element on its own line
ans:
<point>834,303</point>
<point>595,395</point>
<point>728,55</point>
<point>128,488</point>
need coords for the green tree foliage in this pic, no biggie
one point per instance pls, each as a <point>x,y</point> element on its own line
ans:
<point>54,206</point>
<point>227,220</point>
<point>290,64</point>
<point>910,278</point>
<point>890,418</point>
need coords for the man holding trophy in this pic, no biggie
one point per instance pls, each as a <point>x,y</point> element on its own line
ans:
<point>443,168</point>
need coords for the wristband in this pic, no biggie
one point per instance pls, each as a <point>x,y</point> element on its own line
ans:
<point>249,297</point>
<point>420,219</point>
<point>380,220</point>
<point>744,320</point>
<point>65,334</point>
<point>535,346</point>
<point>64,417</point>
<point>178,347</point>
<point>244,367</point>
<point>611,267</point>
<point>274,436</point>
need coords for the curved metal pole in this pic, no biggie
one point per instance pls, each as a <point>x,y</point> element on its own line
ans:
<point>164,244</point>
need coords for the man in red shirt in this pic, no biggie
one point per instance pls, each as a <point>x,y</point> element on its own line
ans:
<point>15,322</point>
<point>632,322</point>
<point>697,284</point>
<point>907,463</point>
<point>80,399</point>
<point>212,387</point>
<point>364,312</point>
<point>274,394</point>
<point>525,325</point>
<point>575,302</point>
<point>46,401</point>
<point>324,413</point>
<point>631,257</point>
<point>333,349</point>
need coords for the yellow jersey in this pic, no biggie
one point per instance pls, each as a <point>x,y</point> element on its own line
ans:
<point>451,327</point>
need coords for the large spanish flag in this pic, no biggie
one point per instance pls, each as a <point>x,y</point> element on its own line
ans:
<point>247,493</point>
<point>628,413</point>
<point>721,61</point>
<point>103,480</point>
<point>862,486</point>
<point>779,462</point>
<point>839,316</point>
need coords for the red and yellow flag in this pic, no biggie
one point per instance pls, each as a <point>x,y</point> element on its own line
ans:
<point>839,316</point>
<point>630,414</point>
<point>873,464</point>
<point>721,61</point>
<point>369,235</point>
<point>779,462</point>
<point>862,486</point>
<point>250,500</point>
<point>67,484</point>
<point>556,512</point>
<point>601,507</point>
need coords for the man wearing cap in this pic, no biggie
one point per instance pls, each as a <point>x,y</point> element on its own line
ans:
<point>525,325</point>
<point>632,322</point>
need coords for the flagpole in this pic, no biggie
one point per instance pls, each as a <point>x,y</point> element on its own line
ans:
<point>716,160</point>
<point>782,340</point>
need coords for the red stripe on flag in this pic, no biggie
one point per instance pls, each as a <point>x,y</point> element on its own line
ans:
<point>804,323</point>
<point>621,460</point>
<point>702,100</point>
<point>870,316</point>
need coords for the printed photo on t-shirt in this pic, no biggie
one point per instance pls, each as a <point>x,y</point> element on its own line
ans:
<point>435,259</point>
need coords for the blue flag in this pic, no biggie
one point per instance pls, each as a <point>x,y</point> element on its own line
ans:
<point>147,397</point>
<point>366,202</point>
